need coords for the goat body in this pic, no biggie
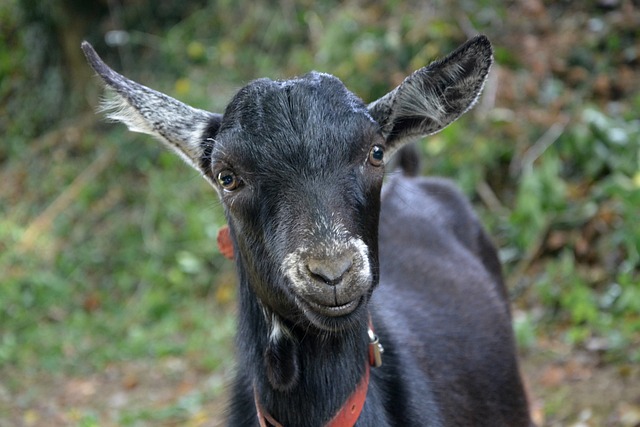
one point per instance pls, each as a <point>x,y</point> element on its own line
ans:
<point>321,250</point>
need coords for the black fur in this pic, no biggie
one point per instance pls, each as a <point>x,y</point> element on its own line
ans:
<point>303,157</point>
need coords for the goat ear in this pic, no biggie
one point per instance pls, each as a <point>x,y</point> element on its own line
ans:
<point>434,96</point>
<point>179,126</point>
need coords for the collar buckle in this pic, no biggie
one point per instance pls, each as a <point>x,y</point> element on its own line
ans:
<point>375,349</point>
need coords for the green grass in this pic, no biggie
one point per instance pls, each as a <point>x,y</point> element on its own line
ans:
<point>138,238</point>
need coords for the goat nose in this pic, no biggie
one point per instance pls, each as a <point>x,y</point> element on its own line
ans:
<point>330,270</point>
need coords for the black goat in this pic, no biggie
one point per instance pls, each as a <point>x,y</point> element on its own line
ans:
<point>322,255</point>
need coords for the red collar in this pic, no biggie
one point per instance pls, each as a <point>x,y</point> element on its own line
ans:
<point>350,411</point>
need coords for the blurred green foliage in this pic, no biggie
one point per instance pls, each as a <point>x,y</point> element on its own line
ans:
<point>107,243</point>
<point>585,191</point>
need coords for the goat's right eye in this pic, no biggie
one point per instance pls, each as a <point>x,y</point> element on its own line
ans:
<point>376,155</point>
<point>228,180</point>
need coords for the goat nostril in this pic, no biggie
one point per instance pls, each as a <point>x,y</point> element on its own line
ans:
<point>329,270</point>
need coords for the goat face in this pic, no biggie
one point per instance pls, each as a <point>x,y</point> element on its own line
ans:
<point>301,190</point>
<point>298,165</point>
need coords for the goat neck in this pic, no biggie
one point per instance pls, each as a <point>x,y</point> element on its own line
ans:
<point>299,376</point>
<point>350,411</point>
<point>346,416</point>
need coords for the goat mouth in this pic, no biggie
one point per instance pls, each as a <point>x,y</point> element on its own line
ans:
<point>334,310</point>
<point>326,316</point>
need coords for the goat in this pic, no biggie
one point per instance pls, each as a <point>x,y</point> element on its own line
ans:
<point>325,256</point>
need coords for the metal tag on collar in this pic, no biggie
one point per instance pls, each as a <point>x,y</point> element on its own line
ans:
<point>375,350</point>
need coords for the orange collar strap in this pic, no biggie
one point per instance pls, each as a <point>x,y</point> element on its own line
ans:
<point>350,411</point>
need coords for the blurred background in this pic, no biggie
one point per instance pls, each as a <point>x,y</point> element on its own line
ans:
<point>116,308</point>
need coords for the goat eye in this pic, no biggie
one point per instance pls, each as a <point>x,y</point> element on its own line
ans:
<point>376,155</point>
<point>228,180</point>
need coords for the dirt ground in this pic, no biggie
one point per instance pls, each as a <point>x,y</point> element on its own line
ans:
<point>577,390</point>
<point>581,392</point>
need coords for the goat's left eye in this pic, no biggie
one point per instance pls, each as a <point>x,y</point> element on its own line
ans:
<point>376,155</point>
<point>228,180</point>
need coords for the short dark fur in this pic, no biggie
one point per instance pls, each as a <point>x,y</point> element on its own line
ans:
<point>313,233</point>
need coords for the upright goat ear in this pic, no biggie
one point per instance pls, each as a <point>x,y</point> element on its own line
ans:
<point>180,127</point>
<point>434,96</point>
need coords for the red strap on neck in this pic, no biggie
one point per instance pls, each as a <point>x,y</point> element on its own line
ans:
<point>263,416</point>
<point>350,411</point>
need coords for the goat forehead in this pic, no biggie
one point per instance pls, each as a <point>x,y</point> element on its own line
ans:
<point>311,91</point>
<point>311,115</point>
